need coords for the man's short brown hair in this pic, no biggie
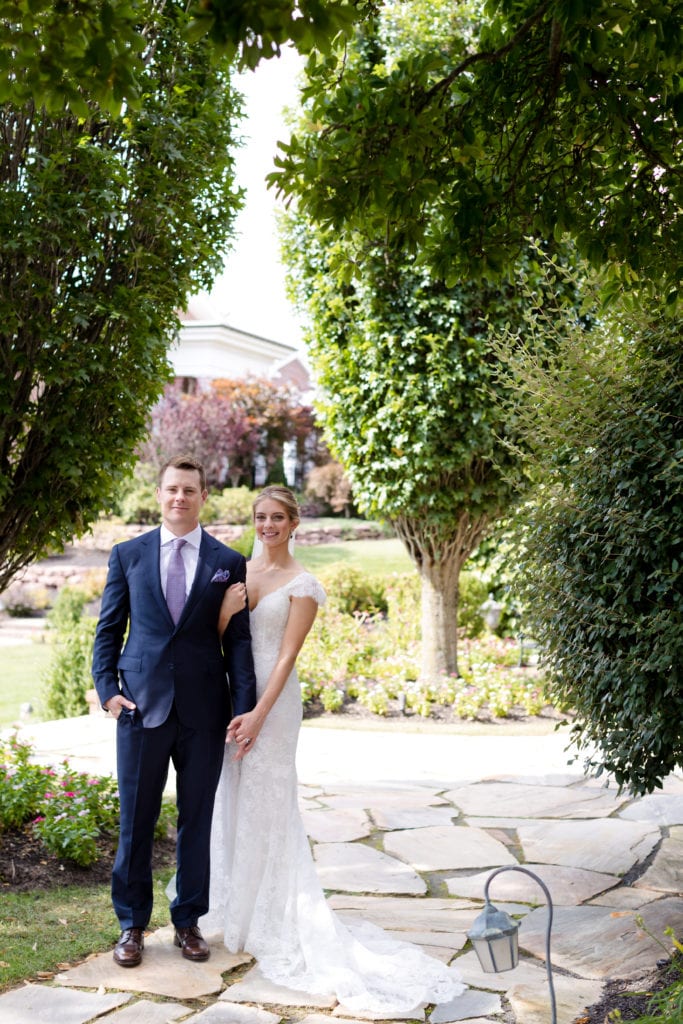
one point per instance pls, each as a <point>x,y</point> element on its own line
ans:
<point>184,462</point>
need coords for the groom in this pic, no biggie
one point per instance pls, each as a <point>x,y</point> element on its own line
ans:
<point>160,671</point>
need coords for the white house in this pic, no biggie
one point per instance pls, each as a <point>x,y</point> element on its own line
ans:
<point>207,349</point>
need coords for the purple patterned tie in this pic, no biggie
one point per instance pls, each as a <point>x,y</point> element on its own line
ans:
<point>175,580</point>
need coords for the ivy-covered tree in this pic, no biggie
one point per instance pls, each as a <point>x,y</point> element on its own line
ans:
<point>410,406</point>
<point>106,223</point>
<point>601,562</point>
<point>544,118</point>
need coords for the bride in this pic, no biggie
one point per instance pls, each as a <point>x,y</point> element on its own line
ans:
<point>265,895</point>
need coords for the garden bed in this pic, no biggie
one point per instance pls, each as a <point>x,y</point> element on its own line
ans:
<point>26,866</point>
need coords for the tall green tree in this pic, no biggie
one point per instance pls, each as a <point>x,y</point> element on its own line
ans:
<point>410,405</point>
<point>549,118</point>
<point>106,223</point>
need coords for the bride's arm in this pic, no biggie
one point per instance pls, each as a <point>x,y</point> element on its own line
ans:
<point>302,613</point>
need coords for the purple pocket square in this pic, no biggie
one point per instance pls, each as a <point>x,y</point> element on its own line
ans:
<point>221,576</point>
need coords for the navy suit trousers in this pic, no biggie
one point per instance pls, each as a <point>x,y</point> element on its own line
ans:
<point>143,757</point>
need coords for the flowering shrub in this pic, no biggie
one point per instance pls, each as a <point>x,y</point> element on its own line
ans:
<point>374,659</point>
<point>22,785</point>
<point>24,599</point>
<point>74,812</point>
<point>351,590</point>
<point>69,810</point>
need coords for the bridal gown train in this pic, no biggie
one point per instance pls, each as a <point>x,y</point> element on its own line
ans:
<point>265,894</point>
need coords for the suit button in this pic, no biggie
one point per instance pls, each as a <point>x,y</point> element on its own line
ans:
<point>171,666</point>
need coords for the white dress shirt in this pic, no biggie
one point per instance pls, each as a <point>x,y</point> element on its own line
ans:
<point>189,553</point>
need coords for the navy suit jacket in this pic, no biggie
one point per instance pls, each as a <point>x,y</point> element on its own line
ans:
<point>160,662</point>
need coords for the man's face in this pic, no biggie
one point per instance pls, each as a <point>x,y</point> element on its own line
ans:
<point>180,499</point>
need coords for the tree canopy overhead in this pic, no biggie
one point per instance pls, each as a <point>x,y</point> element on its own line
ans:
<point>554,117</point>
<point>106,223</point>
<point>60,55</point>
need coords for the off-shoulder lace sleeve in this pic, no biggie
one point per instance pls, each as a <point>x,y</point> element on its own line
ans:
<point>306,585</point>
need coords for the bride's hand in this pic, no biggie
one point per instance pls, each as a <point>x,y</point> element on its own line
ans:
<point>234,600</point>
<point>242,731</point>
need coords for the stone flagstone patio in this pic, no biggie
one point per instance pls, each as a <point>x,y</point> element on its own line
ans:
<point>406,828</point>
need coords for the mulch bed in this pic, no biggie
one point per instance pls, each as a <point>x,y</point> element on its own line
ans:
<point>26,866</point>
<point>632,998</point>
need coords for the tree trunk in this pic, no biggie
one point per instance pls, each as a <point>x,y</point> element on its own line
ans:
<point>439,620</point>
<point>439,552</point>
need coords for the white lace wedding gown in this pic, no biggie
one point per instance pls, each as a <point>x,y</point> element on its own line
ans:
<point>265,894</point>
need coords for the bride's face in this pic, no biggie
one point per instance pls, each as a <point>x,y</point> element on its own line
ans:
<point>272,523</point>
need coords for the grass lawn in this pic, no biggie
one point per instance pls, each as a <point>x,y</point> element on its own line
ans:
<point>374,557</point>
<point>45,931</point>
<point>21,668</point>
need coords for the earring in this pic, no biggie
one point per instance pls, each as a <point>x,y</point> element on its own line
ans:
<point>290,544</point>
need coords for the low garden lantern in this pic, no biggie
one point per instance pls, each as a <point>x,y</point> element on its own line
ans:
<point>492,611</point>
<point>494,935</point>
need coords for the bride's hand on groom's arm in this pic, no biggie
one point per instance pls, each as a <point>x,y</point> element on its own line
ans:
<point>242,732</point>
<point>234,600</point>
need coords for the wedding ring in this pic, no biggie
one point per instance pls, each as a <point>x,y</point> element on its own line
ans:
<point>247,739</point>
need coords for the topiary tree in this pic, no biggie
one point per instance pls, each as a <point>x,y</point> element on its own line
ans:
<point>68,676</point>
<point>106,223</point>
<point>602,559</point>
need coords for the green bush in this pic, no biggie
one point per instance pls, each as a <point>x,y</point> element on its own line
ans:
<point>68,677</point>
<point>22,784</point>
<point>74,811</point>
<point>244,543</point>
<point>602,563</point>
<point>67,609</point>
<point>69,810</point>
<point>473,592</point>
<point>139,504</point>
<point>232,505</point>
<point>351,590</point>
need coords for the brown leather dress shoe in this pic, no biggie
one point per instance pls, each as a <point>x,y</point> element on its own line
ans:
<point>191,942</point>
<point>128,950</point>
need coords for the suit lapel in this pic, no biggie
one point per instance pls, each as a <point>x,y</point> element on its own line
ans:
<point>152,545</point>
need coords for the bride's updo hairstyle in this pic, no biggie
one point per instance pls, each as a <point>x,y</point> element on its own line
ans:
<point>284,497</point>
